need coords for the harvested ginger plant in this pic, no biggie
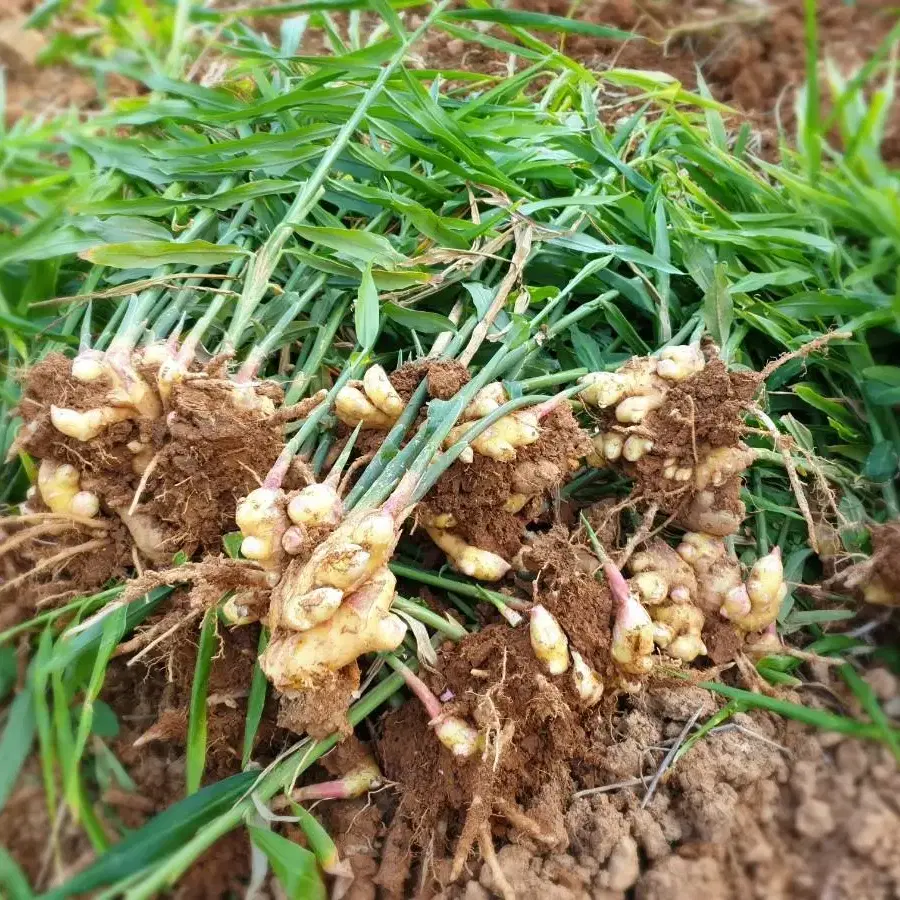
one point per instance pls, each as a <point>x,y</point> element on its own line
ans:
<point>382,518</point>
<point>675,423</point>
<point>154,451</point>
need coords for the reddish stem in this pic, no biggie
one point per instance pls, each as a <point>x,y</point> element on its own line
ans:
<point>250,369</point>
<point>544,409</point>
<point>279,470</point>
<point>421,690</point>
<point>617,584</point>
<point>326,790</point>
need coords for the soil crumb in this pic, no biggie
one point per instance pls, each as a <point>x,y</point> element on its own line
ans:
<point>445,378</point>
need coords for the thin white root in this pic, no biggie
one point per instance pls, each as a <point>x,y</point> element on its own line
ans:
<point>142,484</point>
<point>156,641</point>
<point>45,564</point>
<point>30,534</point>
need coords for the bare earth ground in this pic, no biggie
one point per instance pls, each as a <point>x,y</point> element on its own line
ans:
<point>765,810</point>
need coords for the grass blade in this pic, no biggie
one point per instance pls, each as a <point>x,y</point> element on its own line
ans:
<point>518,18</point>
<point>366,311</point>
<point>812,126</point>
<point>869,702</point>
<point>319,840</point>
<point>113,629</point>
<point>161,836</point>
<point>817,718</point>
<point>12,880</point>
<point>256,700</point>
<point>150,254</point>
<point>197,718</point>
<point>294,866</point>
<point>15,744</point>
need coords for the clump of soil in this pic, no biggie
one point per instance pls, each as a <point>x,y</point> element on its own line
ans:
<point>498,684</point>
<point>699,416</point>
<point>535,725</point>
<point>167,698</point>
<point>705,410</point>
<point>211,453</point>
<point>51,561</point>
<point>322,710</point>
<point>106,460</point>
<point>582,605</point>
<point>446,378</point>
<point>475,492</point>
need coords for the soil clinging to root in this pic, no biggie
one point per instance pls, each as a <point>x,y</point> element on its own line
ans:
<point>475,492</point>
<point>212,453</point>
<point>198,459</point>
<point>699,416</point>
<point>536,727</point>
<point>446,377</point>
<point>579,602</point>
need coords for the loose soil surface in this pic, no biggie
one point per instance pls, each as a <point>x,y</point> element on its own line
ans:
<point>33,89</point>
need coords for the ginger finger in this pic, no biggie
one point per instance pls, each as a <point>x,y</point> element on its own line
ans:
<point>471,561</point>
<point>680,363</point>
<point>59,487</point>
<point>362,624</point>
<point>718,465</point>
<point>756,607</point>
<point>382,393</point>
<point>548,641</point>
<point>316,505</point>
<point>588,684</point>
<point>678,628</point>
<point>632,636</point>
<point>717,572</point>
<point>353,407</point>
<point>85,426</point>
<point>492,396</point>
<point>261,519</point>
<point>660,566</point>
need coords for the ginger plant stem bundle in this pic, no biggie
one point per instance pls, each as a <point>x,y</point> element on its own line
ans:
<point>335,606</point>
<point>144,408</point>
